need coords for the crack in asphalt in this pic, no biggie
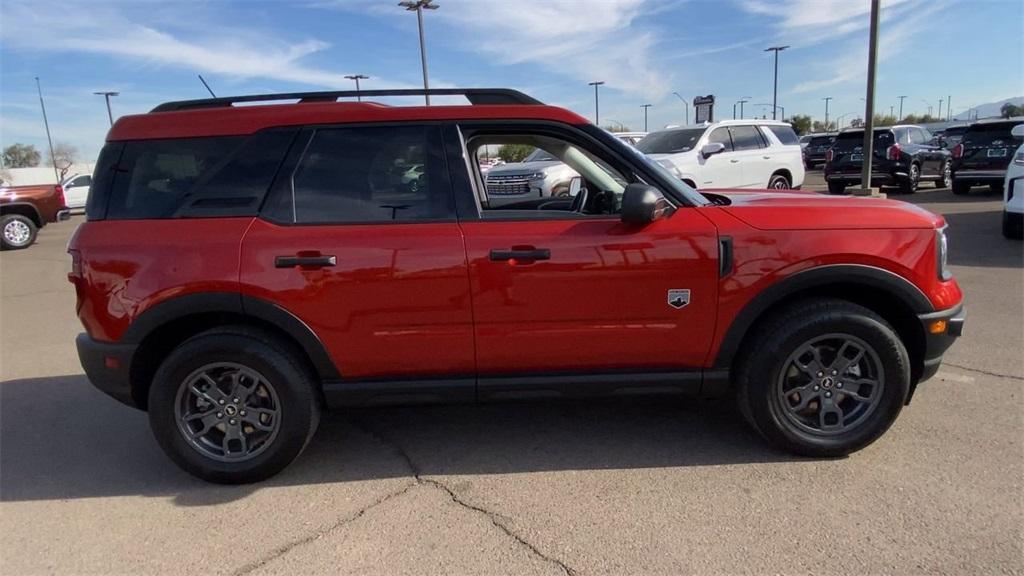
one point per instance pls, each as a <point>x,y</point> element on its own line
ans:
<point>985,372</point>
<point>493,517</point>
<point>282,550</point>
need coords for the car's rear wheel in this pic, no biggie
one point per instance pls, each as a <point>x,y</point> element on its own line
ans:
<point>909,184</point>
<point>779,182</point>
<point>945,176</point>
<point>17,232</point>
<point>233,405</point>
<point>836,188</point>
<point>827,378</point>
<point>961,188</point>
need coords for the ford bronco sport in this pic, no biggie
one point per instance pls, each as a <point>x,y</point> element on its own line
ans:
<point>242,267</point>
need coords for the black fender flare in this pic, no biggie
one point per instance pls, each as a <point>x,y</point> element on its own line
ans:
<point>238,304</point>
<point>869,276</point>
<point>36,217</point>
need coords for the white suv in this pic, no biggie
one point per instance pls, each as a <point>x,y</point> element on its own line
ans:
<point>730,154</point>
<point>1013,191</point>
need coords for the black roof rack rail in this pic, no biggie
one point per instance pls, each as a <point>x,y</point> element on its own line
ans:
<point>476,96</point>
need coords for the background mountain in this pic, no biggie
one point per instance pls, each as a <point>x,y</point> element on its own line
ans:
<point>990,109</point>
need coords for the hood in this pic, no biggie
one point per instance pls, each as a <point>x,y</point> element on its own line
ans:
<point>768,210</point>
<point>517,168</point>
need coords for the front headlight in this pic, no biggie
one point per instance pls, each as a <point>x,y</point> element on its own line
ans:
<point>942,254</point>
<point>536,176</point>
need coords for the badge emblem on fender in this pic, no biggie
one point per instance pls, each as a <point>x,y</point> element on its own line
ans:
<point>678,298</point>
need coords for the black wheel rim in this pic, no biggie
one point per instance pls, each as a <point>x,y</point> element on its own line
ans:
<point>830,385</point>
<point>227,412</point>
<point>947,175</point>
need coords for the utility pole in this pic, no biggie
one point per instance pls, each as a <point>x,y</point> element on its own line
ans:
<point>46,123</point>
<point>357,78</point>
<point>106,96</point>
<point>949,108</point>
<point>940,108</point>
<point>775,88</point>
<point>826,99</point>
<point>869,107</point>
<point>686,105</point>
<point>645,107</point>
<point>418,6</point>
<point>597,109</point>
<point>892,112</point>
<point>901,107</point>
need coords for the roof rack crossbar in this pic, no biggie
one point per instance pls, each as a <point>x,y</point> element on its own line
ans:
<point>476,96</point>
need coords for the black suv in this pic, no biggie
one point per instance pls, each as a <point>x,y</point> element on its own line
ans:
<point>983,154</point>
<point>816,149</point>
<point>903,156</point>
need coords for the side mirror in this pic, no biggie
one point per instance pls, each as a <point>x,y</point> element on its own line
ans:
<point>643,204</point>
<point>712,148</point>
<point>1017,131</point>
<point>575,185</point>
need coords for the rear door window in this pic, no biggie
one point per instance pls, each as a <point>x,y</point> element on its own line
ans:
<point>366,174</point>
<point>747,138</point>
<point>721,135</point>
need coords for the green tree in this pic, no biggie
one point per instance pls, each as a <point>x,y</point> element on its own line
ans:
<point>1010,110</point>
<point>21,156</point>
<point>801,124</point>
<point>514,152</point>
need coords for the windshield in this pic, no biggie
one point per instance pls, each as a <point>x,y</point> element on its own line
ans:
<point>539,155</point>
<point>670,141</point>
<point>850,140</point>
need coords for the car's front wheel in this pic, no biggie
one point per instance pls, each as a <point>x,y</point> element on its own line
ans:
<point>779,182</point>
<point>961,188</point>
<point>826,378</point>
<point>17,232</point>
<point>945,176</point>
<point>836,188</point>
<point>233,405</point>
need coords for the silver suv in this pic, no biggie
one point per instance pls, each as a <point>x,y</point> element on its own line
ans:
<point>539,175</point>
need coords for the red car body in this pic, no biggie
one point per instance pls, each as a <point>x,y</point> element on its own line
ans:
<point>423,302</point>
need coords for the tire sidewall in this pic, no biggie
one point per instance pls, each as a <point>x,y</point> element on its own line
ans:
<point>298,404</point>
<point>767,410</point>
<point>776,178</point>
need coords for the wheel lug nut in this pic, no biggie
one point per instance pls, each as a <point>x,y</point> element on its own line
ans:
<point>839,385</point>
<point>221,401</point>
<point>236,399</point>
<point>220,414</point>
<point>232,421</point>
<point>821,373</point>
<point>833,373</point>
<point>242,412</point>
<point>828,394</point>
<point>816,388</point>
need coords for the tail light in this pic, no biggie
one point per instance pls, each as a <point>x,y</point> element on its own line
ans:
<point>76,264</point>
<point>60,194</point>
<point>893,152</point>
<point>958,151</point>
<point>829,155</point>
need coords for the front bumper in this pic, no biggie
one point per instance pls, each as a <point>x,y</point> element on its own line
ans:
<point>63,214</point>
<point>938,341</point>
<point>107,366</point>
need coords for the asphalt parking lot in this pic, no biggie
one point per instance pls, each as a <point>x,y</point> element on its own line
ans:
<point>645,487</point>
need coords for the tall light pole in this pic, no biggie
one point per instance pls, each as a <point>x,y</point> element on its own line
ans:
<point>597,109</point>
<point>783,108</point>
<point>775,87</point>
<point>686,105</point>
<point>949,108</point>
<point>645,107</point>
<point>46,123</point>
<point>892,112</point>
<point>901,107</point>
<point>940,108</point>
<point>418,6</point>
<point>869,106</point>
<point>740,102</point>
<point>827,99</point>
<point>106,96</point>
<point>357,78</point>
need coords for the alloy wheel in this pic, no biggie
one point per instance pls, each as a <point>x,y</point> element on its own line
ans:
<point>17,233</point>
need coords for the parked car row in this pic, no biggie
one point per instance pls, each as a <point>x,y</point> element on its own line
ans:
<point>902,156</point>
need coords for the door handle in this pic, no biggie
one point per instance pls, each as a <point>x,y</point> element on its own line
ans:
<point>734,160</point>
<point>498,255</point>
<point>766,157</point>
<point>304,261</point>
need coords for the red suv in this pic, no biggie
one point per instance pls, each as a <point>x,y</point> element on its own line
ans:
<point>242,267</point>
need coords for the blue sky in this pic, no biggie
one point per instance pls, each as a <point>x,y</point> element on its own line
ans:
<point>643,49</point>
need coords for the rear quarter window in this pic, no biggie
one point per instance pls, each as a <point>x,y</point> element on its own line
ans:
<point>785,134</point>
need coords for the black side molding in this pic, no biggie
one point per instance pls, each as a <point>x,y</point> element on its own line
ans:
<point>725,257</point>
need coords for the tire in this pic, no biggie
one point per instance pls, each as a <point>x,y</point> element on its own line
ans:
<point>836,188</point>
<point>766,373</point>
<point>1013,228</point>
<point>273,378</point>
<point>909,186</point>
<point>961,188</point>
<point>778,182</point>
<point>17,232</point>
<point>945,176</point>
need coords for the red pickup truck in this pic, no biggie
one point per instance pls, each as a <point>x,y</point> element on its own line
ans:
<point>243,267</point>
<point>26,209</point>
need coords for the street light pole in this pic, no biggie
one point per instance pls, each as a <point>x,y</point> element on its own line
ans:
<point>686,106</point>
<point>940,108</point>
<point>106,96</point>
<point>46,123</point>
<point>826,99</point>
<point>597,109</point>
<point>740,102</point>
<point>419,6</point>
<point>357,78</point>
<point>645,107</point>
<point>775,88</point>
<point>869,106</point>
<point>901,107</point>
